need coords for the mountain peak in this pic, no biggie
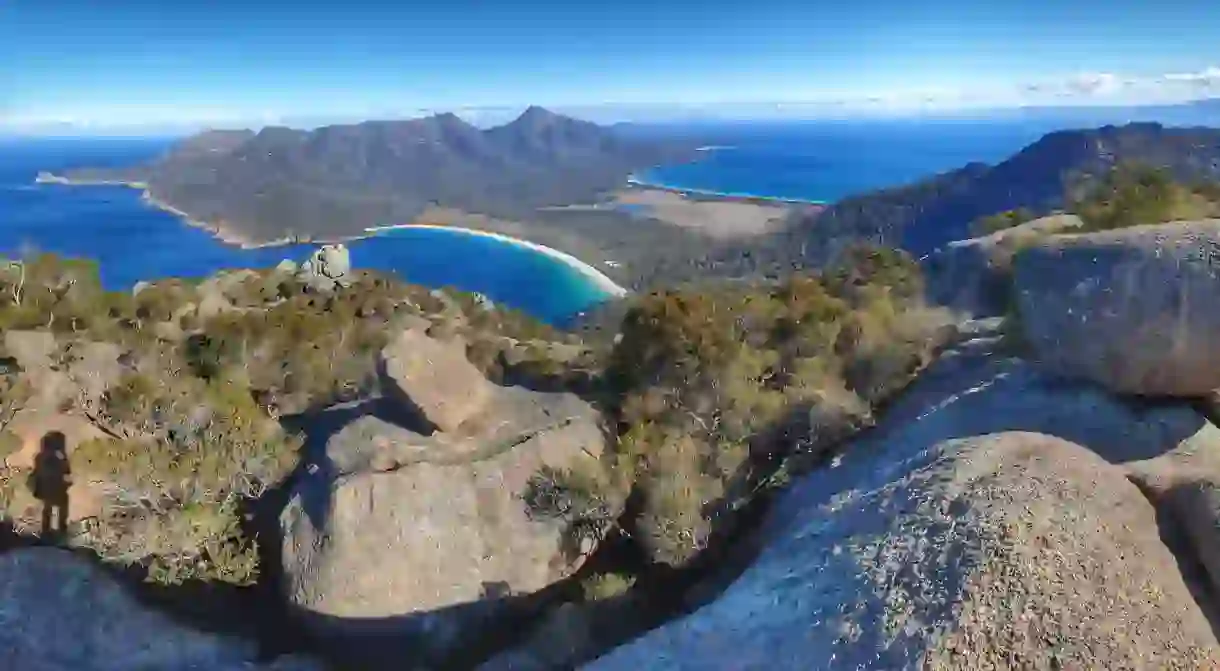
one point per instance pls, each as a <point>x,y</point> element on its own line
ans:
<point>537,113</point>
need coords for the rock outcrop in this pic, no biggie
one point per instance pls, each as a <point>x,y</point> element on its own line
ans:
<point>982,524</point>
<point>62,612</point>
<point>1184,484</point>
<point>1134,309</point>
<point>974,276</point>
<point>433,378</point>
<point>329,267</point>
<point>397,540</point>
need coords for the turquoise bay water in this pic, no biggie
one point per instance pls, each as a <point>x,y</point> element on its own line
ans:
<point>134,242</point>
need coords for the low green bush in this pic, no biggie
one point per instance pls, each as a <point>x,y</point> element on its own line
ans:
<point>713,390</point>
<point>1133,194</point>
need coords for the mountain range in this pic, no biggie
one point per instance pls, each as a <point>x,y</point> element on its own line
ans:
<point>337,180</point>
<point>932,212</point>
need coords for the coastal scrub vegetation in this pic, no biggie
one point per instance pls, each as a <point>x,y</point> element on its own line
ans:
<point>1133,194</point>
<point>714,393</point>
<point>195,375</point>
<point>1001,221</point>
<point>1127,194</point>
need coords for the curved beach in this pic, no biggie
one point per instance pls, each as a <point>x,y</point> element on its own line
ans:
<point>636,181</point>
<point>599,278</point>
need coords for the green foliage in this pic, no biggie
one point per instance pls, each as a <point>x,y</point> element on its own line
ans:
<point>1001,221</point>
<point>1134,194</point>
<point>195,414</point>
<point>174,490</point>
<point>864,265</point>
<point>178,543</point>
<point>713,389</point>
<point>584,500</point>
<point>45,291</point>
<point>602,586</point>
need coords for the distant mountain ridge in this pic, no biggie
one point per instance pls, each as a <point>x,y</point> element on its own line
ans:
<point>932,212</point>
<point>337,180</point>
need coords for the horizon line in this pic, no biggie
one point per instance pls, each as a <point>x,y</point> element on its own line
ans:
<point>677,113</point>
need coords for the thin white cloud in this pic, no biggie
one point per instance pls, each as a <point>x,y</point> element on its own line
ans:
<point>1208,75</point>
<point>1074,89</point>
<point>1096,83</point>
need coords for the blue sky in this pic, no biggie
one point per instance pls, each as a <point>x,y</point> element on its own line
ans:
<point>99,64</point>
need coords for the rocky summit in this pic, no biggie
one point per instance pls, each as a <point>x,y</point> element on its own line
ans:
<point>402,541</point>
<point>988,523</point>
<point>1005,456</point>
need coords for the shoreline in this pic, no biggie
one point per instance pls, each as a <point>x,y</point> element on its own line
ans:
<point>599,278</point>
<point>731,196</point>
<point>217,230</point>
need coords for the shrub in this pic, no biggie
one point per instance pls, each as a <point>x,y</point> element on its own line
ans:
<point>1001,221</point>
<point>1132,194</point>
<point>172,491</point>
<point>585,500</point>
<point>195,444</point>
<point>713,390</point>
<point>602,586</point>
<point>176,544</point>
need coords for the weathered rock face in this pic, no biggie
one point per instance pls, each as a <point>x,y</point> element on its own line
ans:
<point>60,612</point>
<point>1184,484</point>
<point>434,379</point>
<point>1135,309</point>
<point>328,267</point>
<point>974,276</point>
<point>952,536</point>
<point>398,541</point>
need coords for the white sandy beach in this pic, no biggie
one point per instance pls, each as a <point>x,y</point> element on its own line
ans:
<point>600,279</point>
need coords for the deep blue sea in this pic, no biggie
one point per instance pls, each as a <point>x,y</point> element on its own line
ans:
<point>825,161</point>
<point>134,242</point>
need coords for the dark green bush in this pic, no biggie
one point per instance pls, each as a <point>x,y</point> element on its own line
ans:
<point>712,390</point>
<point>1133,194</point>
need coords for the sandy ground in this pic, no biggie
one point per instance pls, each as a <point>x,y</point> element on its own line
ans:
<point>716,218</point>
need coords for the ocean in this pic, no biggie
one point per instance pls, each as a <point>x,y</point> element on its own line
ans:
<point>132,241</point>
<point>828,160</point>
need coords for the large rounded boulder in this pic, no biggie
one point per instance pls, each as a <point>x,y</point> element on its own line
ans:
<point>986,523</point>
<point>1136,309</point>
<point>402,541</point>
<point>974,276</point>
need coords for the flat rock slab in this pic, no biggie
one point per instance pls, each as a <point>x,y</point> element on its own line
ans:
<point>62,612</point>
